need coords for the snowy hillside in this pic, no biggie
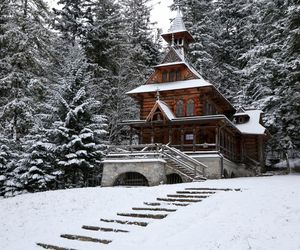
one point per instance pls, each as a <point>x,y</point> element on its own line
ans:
<point>265,214</point>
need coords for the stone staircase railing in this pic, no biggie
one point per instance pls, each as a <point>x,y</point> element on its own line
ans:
<point>176,159</point>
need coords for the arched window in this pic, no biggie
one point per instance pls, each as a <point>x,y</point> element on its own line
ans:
<point>179,108</point>
<point>190,108</point>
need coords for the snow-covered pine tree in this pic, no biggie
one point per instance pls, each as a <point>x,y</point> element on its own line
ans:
<point>119,41</point>
<point>79,135</point>
<point>26,55</point>
<point>264,72</point>
<point>290,91</point>
<point>144,49</point>
<point>71,18</point>
<point>203,54</point>
<point>137,53</point>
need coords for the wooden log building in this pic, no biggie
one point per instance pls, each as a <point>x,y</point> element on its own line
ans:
<point>181,109</point>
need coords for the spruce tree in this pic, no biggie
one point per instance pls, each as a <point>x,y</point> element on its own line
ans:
<point>27,53</point>
<point>79,135</point>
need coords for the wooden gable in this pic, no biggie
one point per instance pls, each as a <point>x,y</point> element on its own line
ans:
<point>172,56</point>
<point>160,112</point>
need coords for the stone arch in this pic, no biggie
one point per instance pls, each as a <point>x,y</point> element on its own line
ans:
<point>225,173</point>
<point>131,179</point>
<point>174,178</point>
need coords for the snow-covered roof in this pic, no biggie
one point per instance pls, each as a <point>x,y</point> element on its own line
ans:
<point>168,64</point>
<point>177,24</point>
<point>186,84</point>
<point>252,126</point>
<point>165,108</point>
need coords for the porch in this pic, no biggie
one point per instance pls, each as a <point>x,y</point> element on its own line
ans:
<point>192,134</point>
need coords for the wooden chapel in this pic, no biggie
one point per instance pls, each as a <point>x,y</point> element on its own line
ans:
<point>180,109</point>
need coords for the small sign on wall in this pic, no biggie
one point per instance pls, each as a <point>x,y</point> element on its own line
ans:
<point>189,137</point>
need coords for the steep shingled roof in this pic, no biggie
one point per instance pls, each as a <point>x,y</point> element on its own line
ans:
<point>177,24</point>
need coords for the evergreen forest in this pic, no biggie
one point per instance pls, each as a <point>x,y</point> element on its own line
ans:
<point>64,73</point>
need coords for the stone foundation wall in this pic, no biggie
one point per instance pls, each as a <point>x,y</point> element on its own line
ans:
<point>152,169</point>
<point>236,170</point>
<point>214,163</point>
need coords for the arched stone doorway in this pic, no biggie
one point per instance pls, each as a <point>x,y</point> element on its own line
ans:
<point>225,174</point>
<point>131,179</point>
<point>173,178</point>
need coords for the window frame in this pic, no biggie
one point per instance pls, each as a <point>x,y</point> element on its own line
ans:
<point>179,108</point>
<point>190,104</point>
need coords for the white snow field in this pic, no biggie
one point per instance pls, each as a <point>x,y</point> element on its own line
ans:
<point>264,215</point>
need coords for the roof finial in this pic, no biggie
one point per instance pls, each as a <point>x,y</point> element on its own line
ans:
<point>177,8</point>
<point>157,94</point>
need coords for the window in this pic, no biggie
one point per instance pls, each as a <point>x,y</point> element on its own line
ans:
<point>178,75</point>
<point>180,41</point>
<point>164,76</point>
<point>189,137</point>
<point>209,109</point>
<point>190,108</point>
<point>179,108</point>
<point>172,76</point>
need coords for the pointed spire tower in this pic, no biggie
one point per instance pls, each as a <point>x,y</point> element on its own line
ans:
<point>177,35</point>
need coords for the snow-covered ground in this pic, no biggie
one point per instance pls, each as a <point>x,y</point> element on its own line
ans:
<point>265,215</point>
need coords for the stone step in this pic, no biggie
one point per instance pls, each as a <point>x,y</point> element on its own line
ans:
<point>160,204</point>
<point>149,216</point>
<point>104,229</point>
<point>154,209</point>
<point>84,238</point>
<point>152,204</point>
<point>178,200</point>
<point>214,189</point>
<point>195,192</point>
<point>187,196</point>
<point>125,222</point>
<point>52,247</point>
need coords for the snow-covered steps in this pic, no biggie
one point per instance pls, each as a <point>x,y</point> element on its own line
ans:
<point>104,229</point>
<point>89,236</point>
<point>187,196</point>
<point>126,222</point>
<point>149,216</point>
<point>165,203</point>
<point>84,238</point>
<point>52,247</point>
<point>178,200</point>
<point>154,209</point>
<point>196,192</point>
<point>214,189</point>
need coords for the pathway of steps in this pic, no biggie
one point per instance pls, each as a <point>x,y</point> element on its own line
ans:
<point>141,216</point>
